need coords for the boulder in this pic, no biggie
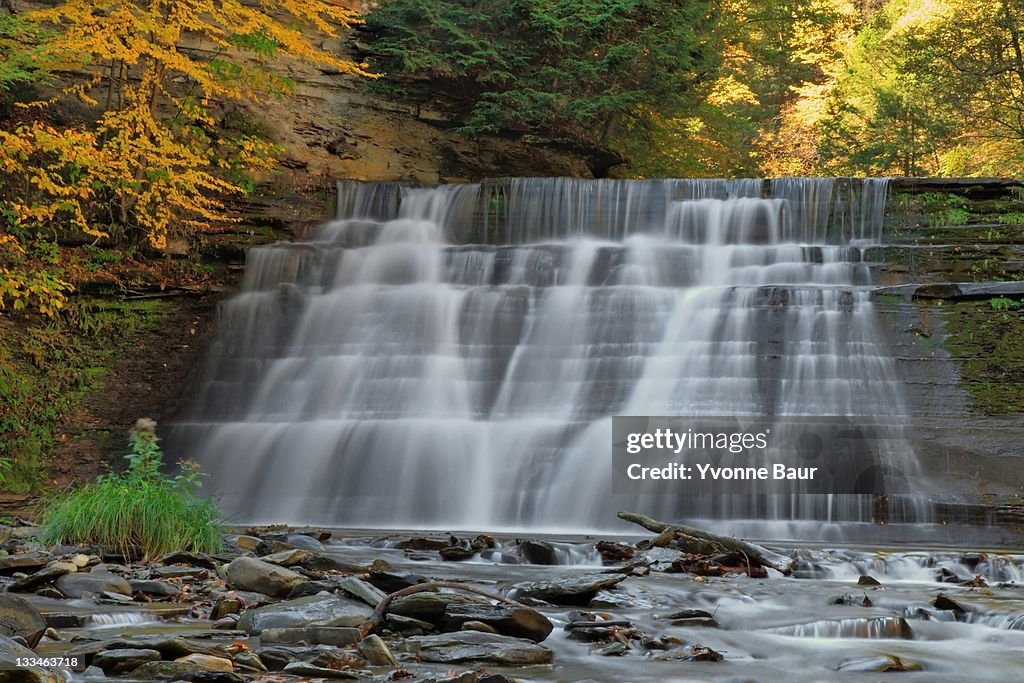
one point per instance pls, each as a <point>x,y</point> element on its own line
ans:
<point>508,620</point>
<point>94,582</point>
<point>19,618</point>
<point>208,662</point>
<point>474,646</point>
<point>577,589</point>
<point>376,651</point>
<point>247,573</point>
<point>10,652</point>
<point>124,660</point>
<point>431,607</point>
<point>314,610</point>
<point>166,671</point>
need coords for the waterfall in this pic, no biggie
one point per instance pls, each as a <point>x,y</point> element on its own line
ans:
<point>452,356</point>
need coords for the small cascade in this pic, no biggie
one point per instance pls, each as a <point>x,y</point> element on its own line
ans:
<point>452,356</point>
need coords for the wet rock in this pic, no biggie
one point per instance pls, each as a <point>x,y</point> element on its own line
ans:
<point>976,582</point>
<point>10,652</point>
<point>18,618</point>
<point>943,602</point>
<point>362,590</point>
<point>249,660</point>
<point>866,580</point>
<point>250,574</point>
<point>50,592</point>
<point>376,651</point>
<point>613,649</point>
<point>172,648</point>
<point>314,610</point>
<point>289,558</point>
<point>228,623</point>
<point>94,582</point>
<point>276,657</point>
<point>151,587</point>
<point>166,671</point>
<point>538,552</point>
<point>972,560</point>
<point>23,562</point>
<point>879,664</point>
<point>243,542</point>
<point>308,588</point>
<point>661,642</point>
<point>179,571</point>
<point>311,635</point>
<point>408,626</point>
<point>851,599</point>
<point>313,671</point>
<point>571,590</point>
<point>325,563</point>
<point>456,553</point>
<point>508,620</point>
<point>431,607</point>
<point>122,661</point>
<point>473,646</point>
<point>52,634</point>
<point>614,552</point>
<point>418,543</point>
<point>47,574</point>
<point>82,561</point>
<point>191,559</point>
<point>224,607</point>
<point>691,617</point>
<point>208,662</point>
<point>477,626</point>
<point>696,653</point>
<point>594,631</point>
<point>390,582</point>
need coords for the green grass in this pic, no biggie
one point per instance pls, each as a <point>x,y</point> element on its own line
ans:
<point>139,511</point>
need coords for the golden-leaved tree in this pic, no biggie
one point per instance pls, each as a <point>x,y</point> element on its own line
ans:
<point>149,161</point>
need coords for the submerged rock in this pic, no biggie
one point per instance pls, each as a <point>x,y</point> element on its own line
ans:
<point>247,573</point>
<point>314,610</point>
<point>879,664</point>
<point>474,646</point>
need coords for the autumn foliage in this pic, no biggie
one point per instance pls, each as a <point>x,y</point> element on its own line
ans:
<point>148,161</point>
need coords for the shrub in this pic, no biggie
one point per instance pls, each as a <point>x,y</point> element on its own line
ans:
<point>141,509</point>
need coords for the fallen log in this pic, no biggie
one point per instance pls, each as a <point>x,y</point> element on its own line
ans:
<point>755,553</point>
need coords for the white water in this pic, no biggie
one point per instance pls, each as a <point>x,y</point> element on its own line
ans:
<point>455,362</point>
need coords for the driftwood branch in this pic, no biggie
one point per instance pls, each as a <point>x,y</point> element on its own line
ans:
<point>377,618</point>
<point>754,553</point>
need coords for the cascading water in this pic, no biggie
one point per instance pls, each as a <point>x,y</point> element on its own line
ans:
<point>452,356</point>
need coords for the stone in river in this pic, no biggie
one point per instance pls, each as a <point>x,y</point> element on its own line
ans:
<point>431,607</point>
<point>474,646</point>
<point>124,660</point>
<point>24,562</point>
<point>879,664</point>
<point>866,580</point>
<point>570,590</point>
<point>47,574</point>
<point>247,573</point>
<point>166,671</point>
<point>315,610</point>
<point>152,587</point>
<point>538,552</point>
<point>949,604</point>
<point>389,582</point>
<point>289,558</point>
<point>208,662</point>
<point>19,618</point>
<point>94,582</point>
<point>362,590</point>
<point>376,651</point>
<point>336,636</point>
<point>691,617</point>
<point>224,607</point>
<point>189,558</point>
<point>508,620</point>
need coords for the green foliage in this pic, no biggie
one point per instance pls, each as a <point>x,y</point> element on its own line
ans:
<point>139,509</point>
<point>565,67</point>
<point>22,60</point>
<point>1002,303</point>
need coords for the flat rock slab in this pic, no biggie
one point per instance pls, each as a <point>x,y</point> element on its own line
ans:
<point>247,573</point>
<point>579,589</point>
<point>508,620</point>
<point>431,607</point>
<point>954,291</point>
<point>311,635</point>
<point>96,583</point>
<point>313,610</point>
<point>475,646</point>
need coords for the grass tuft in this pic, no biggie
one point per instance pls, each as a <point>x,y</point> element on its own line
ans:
<point>140,509</point>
